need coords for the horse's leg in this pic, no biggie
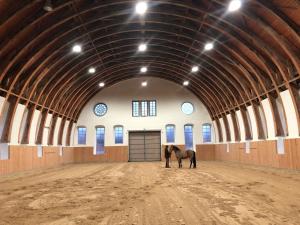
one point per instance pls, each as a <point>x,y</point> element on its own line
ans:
<point>191,161</point>
<point>180,163</point>
<point>168,162</point>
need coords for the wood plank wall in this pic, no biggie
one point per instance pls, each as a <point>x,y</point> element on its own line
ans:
<point>24,158</point>
<point>111,154</point>
<point>262,153</point>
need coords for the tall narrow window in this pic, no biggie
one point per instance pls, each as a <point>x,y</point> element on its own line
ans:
<point>170,133</point>
<point>144,108</point>
<point>188,136</point>
<point>152,108</point>
<point>81,135</point>
<point>206,132</point>
<point>100,134</point>
<point>118,135</point>
<point>135,108</point>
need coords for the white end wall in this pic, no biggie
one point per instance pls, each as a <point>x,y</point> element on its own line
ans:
<point>119,97</point>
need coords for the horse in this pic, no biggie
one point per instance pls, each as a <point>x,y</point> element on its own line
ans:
<point>183,154</point>
<point>167,156</point>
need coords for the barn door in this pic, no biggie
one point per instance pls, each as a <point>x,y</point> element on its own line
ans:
<point>144,146</point>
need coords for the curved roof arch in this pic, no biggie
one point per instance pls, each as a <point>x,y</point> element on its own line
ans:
<point>256,52</point>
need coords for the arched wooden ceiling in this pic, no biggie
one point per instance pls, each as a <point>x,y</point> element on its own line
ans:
<point>256,54</point>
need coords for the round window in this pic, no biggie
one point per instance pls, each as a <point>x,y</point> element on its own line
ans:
<point>187,108</point>
<point>100,109</point>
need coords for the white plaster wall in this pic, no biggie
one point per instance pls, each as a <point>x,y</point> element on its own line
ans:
<point>46,129</point>
<point>290,111</point>
<point>3,115</point>
<point>223,130</point>
<point>118,98</point>
<point>72,139</point>
<point>281,112</point>
<point>16,124</point>
<point>2,102</point>
<point>253,122</point>
<point>22,126</point>
<point>269,118</point>
<point>263,119</point>
<point>241,125</point>
<point>56,131</point>
<point>217,137</point>
<point>34,127</point>
<point>65,132</point>
<point>230,123</point>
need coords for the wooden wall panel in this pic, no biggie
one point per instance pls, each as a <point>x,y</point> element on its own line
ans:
<point>205,152</point>
<point>23,157</point>
<point>262,153</point>
<point>111,154</point>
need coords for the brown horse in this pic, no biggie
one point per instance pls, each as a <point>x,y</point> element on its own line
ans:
<point>183,154</point>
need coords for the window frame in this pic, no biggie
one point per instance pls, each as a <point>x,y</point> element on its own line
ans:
<point>185,144</point>
<point>173,125</point>
<point>116,126</point>
<point>203,137</point>
<point>78,127</point>
<point>140,108</point>
<point>101,152</point>
<point>186,102</point>
<point>100,103</point>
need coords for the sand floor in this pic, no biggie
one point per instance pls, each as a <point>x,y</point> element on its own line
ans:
<point>146,193</point>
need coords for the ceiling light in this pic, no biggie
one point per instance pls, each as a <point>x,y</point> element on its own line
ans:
<point>142,47</point>
<point>141,8</point>
<point>234,5</point>
<point>195,69</point>
<point>209,46</point>
<point>144,69</point>
<point>186,83</point>
<point>144,84</point>
<point>101,84</point>
<point>92,70</point>
<point>77,48</point>
<point>48,6</point>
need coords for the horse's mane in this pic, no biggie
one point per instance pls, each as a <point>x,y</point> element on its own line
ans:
<point>176,148</point>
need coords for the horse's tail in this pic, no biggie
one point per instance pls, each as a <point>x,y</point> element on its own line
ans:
<point>194,159</point>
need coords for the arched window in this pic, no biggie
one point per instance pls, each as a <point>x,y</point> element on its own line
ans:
<point>170,133</point>
<point>188,136</point>
<point>81,131</point>
<point>118,134</point>
<point>100,135</point>
<point>206,132</point>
